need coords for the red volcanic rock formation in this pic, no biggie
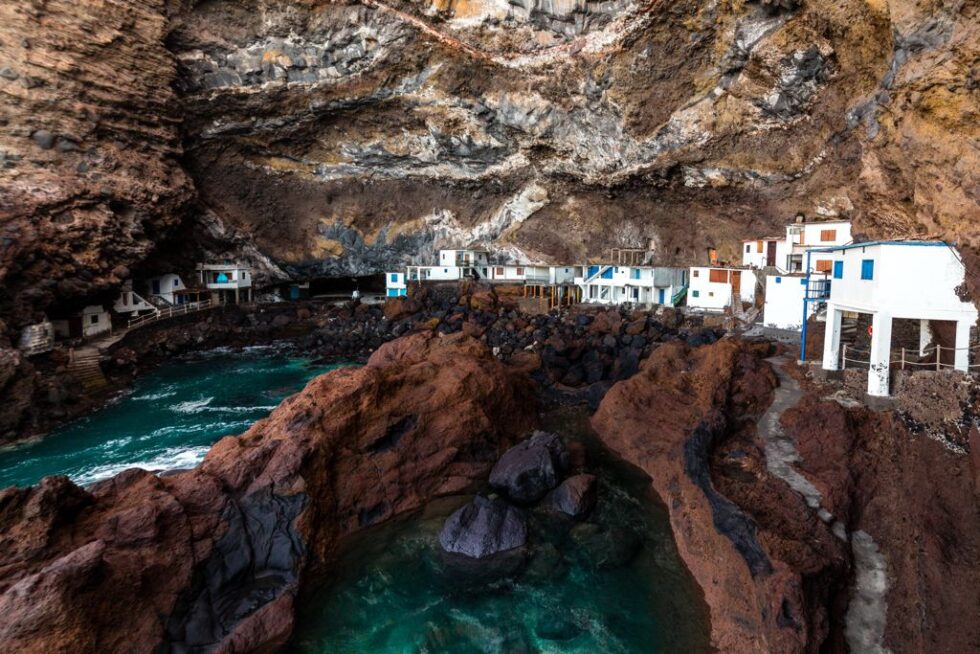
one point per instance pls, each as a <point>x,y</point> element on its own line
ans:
<point>918,500</point>
<point>212,557</point>
<point>667,420</point>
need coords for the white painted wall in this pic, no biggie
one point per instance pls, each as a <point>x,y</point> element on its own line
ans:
<point>784,302</point>
<point>164,286</point>
<point>909,281</point>
<point>702,293</point>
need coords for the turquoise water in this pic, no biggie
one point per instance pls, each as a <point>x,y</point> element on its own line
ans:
<point>168,420</point>
<point>578,591</point>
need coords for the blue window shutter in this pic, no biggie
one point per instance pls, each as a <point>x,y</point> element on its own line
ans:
<point>803,282</point>
<point>779,280</point>
<point>696,293</point>
<point>838,270</point>
<point>868,269</point>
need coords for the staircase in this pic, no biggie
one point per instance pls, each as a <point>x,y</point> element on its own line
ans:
<point>85,368</point>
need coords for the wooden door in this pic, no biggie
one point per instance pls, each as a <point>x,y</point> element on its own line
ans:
<point>736,282</point>
<point>771,253</point>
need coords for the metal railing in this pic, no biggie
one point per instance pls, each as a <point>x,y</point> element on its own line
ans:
<point>171,312</point>
<point>905,357</point>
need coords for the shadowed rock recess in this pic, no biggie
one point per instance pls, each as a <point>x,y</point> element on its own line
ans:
<point>211,559</point>
<point>313,138</point>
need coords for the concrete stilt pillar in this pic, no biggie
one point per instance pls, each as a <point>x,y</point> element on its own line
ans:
<point>961,360</point>
<point>925,335</point>
<point>831,339</point>
<point>881,341</point>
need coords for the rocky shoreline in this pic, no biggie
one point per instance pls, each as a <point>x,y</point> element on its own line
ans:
<point>578,350</point>
<point>223,550</point>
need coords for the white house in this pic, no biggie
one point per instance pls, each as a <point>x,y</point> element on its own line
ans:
<point>712,288</point>
<point>915,280</point>
<point>642,285</point>
<point>395,285</point>
<point>788,253</point>
<point>769,251</point>
<point>166,287</point>
<point>784,300</point>
<point>90,321</point>
<point>453,265</point>
<point>131,302</point>
<point>227,282</point>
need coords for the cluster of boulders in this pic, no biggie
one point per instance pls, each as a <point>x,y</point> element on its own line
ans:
<point>524,475</point>
<point>573,347</point>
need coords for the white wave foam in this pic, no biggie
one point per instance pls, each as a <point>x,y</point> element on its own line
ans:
<point>170,459</point>
<point>192,406</point>
<point>149,397</point>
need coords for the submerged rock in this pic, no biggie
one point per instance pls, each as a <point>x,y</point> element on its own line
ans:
<point>576,495</point>
<point>556,625</point>
<point>606,547</point>
<point>484,527</point>
<point>527,471</point>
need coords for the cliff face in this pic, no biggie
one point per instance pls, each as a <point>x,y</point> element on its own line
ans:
<point>342,138</point>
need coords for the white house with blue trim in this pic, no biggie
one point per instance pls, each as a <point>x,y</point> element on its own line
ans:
<point>395,285</point>
<point>916,280</point>
<point>640,285</point>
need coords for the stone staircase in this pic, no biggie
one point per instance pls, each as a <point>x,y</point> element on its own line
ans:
<point>85,368</point>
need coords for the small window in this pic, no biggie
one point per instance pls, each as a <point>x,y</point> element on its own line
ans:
<point>176,283</point>
<point>803,282</point>
<point>695,273</point>
<point>520,271</point>
<point>695,293</point>
<point>838,270</point>
<point>94,319</point>
<point>828,235</point>
<point>779,280</point>
<point>636,273</point>
<point>868,269</point>
<point>748,248</point>
<point>711,293</point>
<point>758,246</point>
<point>445,270</point>
<point>823,265</point>
<point>499,271</point>
<point>394,278</point>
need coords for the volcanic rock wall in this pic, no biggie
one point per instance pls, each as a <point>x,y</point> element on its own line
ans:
<point>344,138</point>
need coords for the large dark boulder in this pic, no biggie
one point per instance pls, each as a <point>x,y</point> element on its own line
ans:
<point>527,471</point>
<point>484,527</point>
<point>575,496</point>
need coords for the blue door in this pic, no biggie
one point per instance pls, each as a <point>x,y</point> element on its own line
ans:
<point>660,300</point>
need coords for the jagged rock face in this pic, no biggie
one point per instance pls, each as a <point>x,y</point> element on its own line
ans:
<point>345,138</point>
<point>89,147</point>
<point>210,559</point>
<point>353,135</point>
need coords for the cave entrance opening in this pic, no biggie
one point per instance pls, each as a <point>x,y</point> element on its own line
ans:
<point>344,287</point>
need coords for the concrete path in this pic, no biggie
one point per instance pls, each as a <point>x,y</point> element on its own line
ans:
<point>864,625</point>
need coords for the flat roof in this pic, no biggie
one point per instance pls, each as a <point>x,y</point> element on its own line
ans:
<point>867,244</point>
<point>838,221</point>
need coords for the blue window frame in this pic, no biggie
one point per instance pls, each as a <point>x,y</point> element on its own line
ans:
<point>695,293</point>
<point>394,278</point>
<point>803,282</point>
<point>867,269</point>
<point>779,280</point>
<point>838,270</point>
<point>636,273</point>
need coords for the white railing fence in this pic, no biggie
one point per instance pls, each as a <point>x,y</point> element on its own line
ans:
<point>930,358</point>
<point>169,312</point>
